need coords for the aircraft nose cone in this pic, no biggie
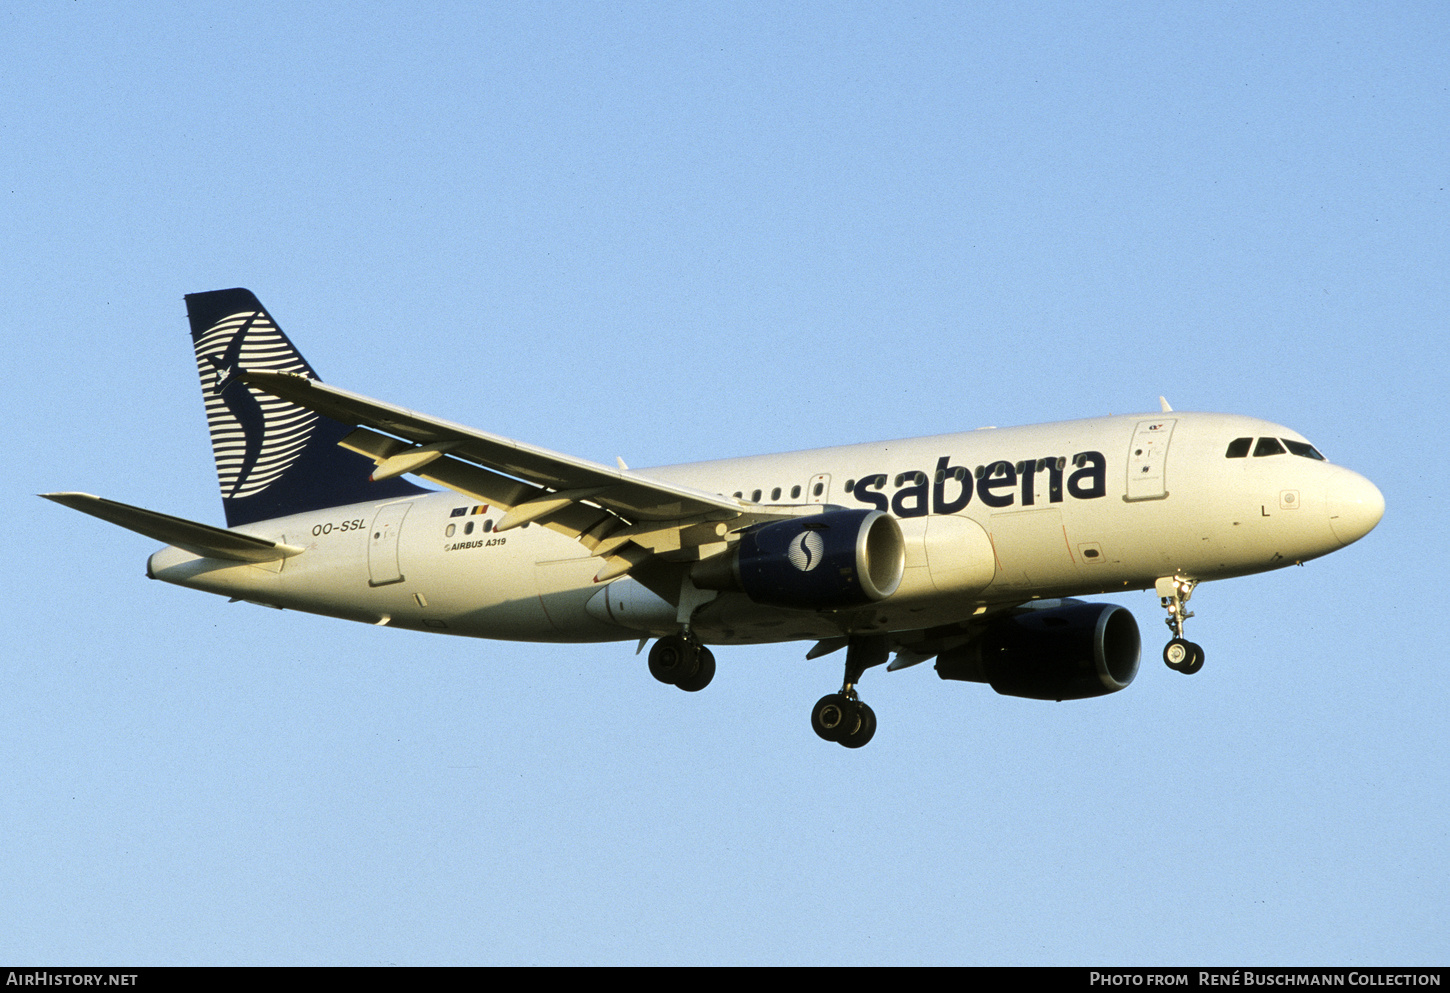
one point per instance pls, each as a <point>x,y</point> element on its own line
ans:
<point>1355,506</point>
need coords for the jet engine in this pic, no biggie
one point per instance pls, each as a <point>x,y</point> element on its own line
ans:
<point>841,558</point>
<point>1068,652</point>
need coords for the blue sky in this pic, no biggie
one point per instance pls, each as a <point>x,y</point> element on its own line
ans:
<point>669,232</point>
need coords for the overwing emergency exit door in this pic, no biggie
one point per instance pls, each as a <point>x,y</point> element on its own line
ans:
<point>820,490</point>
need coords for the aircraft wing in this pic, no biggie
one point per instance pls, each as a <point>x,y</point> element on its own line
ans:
<point>620,516</point>
<point>199,539</point>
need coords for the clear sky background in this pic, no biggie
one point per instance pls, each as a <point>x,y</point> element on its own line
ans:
<point>679,231</point>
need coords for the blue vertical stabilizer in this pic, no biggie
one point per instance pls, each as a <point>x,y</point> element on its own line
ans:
<point>273,458</point>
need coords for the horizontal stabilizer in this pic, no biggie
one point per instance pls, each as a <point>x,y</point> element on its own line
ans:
<point>199,539</point>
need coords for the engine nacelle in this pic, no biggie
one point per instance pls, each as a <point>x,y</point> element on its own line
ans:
<point>1069,652</point>
<point>841,558</point>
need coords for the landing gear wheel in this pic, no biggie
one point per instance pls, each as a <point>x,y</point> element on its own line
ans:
<point>865,727</point>
<point>704,672</point>
<point>670,660</point>
<point>1183,656</point>
<point>1177,654</point>
<point>833,716</point>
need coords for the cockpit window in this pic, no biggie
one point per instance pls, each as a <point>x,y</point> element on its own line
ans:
<point>1238,448</point>
<point>1268,446</point>
<point>1304,449</point>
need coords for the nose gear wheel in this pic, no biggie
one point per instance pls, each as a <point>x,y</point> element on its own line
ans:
<point>1183,656</point>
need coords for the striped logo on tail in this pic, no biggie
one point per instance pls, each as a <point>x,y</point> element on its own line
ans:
<point>273,457</point>
<point>255,437</point>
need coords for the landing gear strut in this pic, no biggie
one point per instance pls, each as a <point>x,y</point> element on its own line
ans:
<point>842,717</point>
<point>1179,655</point>
<point>680,660</point>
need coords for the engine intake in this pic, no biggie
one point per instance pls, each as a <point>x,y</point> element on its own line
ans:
<point>841,558</point>
<point>1069,652</point>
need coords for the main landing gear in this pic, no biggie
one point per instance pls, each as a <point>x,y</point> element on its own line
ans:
<point>680,660</point>
<point>1179,655</point>
<point>842,717</point>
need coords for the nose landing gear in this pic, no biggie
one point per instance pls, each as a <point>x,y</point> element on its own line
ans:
<point>1179,655</point>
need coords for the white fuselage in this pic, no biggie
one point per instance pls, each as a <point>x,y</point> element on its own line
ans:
<point>991,517</point>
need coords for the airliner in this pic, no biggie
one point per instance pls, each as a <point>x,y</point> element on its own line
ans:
<point>971,549</point>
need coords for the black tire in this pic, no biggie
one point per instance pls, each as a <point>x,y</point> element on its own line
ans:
<point>669,660</point>
<point>865,728</point>
<point>1196,662</point>
<point>833,716</point>
<point>704,672</point>
<point>1177,654</point>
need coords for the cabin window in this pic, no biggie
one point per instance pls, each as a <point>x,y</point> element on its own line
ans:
<point>1268,446</point>
<point>850,485</point>
<point>755,496</point>
<point>1238,448</point>
<point>795,491</point>
<point>468,528</point>
<point>820,488</point>
<point>448,531</point>
<point>1304,449</point>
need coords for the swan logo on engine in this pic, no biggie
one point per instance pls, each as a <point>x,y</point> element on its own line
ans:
<point>806,550</point>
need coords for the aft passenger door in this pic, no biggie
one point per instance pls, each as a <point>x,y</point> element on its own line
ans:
<point>383,565</point>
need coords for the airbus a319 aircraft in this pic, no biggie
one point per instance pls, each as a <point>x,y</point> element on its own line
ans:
<point>969,549</point>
